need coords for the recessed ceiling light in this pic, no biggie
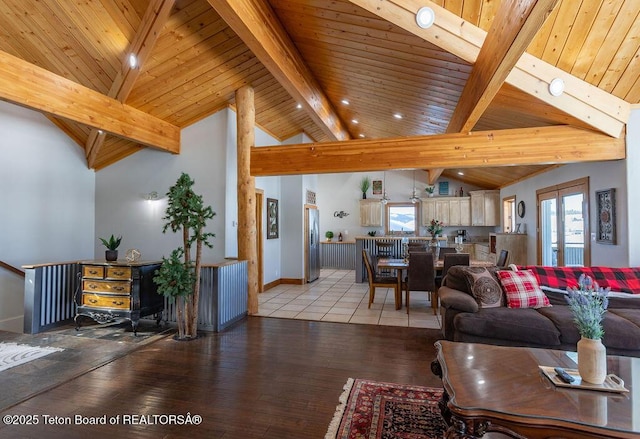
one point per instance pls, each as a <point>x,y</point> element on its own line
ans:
<point>425,17</point>
<point>398,116</point>
<point>299,106</point>
<point>460,173</point>
<point>355,121</point>
<point>345,101</point>
<point>361,135</point>
<point>556,87</point>
<point>133,60</point>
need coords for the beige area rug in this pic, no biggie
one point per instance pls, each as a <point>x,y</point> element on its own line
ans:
<point>13,354</point>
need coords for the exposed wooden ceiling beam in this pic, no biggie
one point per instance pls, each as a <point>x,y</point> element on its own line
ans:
<point>33,87</point>
<point>512,30</point>
<point>582,100</point>
<point>522,146</point>
<point>153,21</point>
<point>257,25</point>
<point>434,174</point>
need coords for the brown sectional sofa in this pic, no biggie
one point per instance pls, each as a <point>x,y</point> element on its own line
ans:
<point>465,319</point>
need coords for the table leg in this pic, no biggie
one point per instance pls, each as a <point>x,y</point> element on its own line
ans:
<point>399,289</point>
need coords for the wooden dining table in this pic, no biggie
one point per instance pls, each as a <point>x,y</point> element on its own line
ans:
<point>399,265</point>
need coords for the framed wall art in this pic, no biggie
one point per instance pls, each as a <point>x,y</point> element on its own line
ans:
<point>376,187</point>
<point>272,218</point>
<point>606,212</point>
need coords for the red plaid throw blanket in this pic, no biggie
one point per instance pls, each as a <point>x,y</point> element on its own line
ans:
<point>625,280</point>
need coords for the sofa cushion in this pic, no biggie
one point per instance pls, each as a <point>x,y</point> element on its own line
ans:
<point>622,328</point>
<point>522,290</point>
<point>517,325</point>
<point>484,287</point>
<point>562,318</point>
<point>456,279</point>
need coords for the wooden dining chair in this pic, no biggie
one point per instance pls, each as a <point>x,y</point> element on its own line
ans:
<point>384,250</point>
<point>502,259</point>
<point>451,259</point>
<point>445,250</point>
<point>421,276</point>
<point>376,280</point>
<point>418,247</point>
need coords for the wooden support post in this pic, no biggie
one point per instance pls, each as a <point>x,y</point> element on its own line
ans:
<point>247,248</point>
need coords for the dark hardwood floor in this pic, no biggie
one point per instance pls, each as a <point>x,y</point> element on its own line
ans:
<point>262,378</point>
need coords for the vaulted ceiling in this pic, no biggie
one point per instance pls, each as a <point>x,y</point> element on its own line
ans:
<point>336,70</point>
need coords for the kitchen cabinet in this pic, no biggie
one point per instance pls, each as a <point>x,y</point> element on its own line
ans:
<point>113,291</point>
<point>370,213</point>
<point>485,208</point>
<point>428,210</point>
<point>452,211</point>
<point>514,243</point>
<point>481,252</point>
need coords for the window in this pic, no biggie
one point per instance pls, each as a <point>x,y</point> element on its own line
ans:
<point>509,214</point>
<point>402,219</point>
<point>563,224</point>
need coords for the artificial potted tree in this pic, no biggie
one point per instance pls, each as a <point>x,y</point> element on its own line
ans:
<point>179,275</point>
<point>112,244</point>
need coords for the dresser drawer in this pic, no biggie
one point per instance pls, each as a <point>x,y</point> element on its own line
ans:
<point>119,273</point>
<point>93,271</point>
<point>104,301</point>
<point>105,286</point>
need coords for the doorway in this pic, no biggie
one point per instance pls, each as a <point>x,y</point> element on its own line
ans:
<point>563,224</point>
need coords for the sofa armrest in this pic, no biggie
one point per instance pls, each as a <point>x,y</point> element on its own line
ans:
<point>450,298</point>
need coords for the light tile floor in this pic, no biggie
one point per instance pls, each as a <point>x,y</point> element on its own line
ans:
<point>336,297</point>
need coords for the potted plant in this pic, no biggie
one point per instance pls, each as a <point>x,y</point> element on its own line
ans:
<point>588,303</point>
<point>112,244</point>
<point>365,184</point>
<point>430,190</point>
<point>329,235</point>
<point>179,275</point>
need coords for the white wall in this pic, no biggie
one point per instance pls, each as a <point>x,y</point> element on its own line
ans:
<point>601,176</point>
<point>47,199</point>
<point>120,189</point>
<point>633,181</point>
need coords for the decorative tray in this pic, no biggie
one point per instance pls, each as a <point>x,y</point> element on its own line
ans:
<point>612,383</point>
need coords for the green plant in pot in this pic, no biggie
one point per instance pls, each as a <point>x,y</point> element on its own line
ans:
<point>430,190</point>
<point>329,235</point>
<point>112,244</point>
<point>365,184</point>
<point>179,275</point>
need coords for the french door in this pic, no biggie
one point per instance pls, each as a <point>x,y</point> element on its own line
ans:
<point>563,224</point>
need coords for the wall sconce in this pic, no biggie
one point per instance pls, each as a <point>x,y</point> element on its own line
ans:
<point>340,214</point>
<point>151,196</point>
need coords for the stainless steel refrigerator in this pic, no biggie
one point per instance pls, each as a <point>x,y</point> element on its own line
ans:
<point>312,245</point>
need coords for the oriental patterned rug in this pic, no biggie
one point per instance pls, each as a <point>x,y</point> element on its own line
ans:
<point>377,410</point>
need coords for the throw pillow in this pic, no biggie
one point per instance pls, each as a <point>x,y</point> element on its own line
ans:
<point>522,289</point>
<point>484,287</point>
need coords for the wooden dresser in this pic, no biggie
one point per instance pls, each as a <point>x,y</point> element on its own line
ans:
<point>114,291</point>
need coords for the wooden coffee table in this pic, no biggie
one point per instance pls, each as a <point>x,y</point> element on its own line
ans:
<point>501,389</point>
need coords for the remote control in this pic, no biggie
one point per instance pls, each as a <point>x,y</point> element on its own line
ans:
<point>564,376</point>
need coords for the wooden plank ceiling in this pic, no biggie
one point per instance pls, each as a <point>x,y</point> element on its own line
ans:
<point>362,63</point>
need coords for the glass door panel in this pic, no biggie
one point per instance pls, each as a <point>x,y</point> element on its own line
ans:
<point>549,232</point>
<point>574,236</point>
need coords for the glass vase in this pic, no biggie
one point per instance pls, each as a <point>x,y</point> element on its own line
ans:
<point>592,360</point>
